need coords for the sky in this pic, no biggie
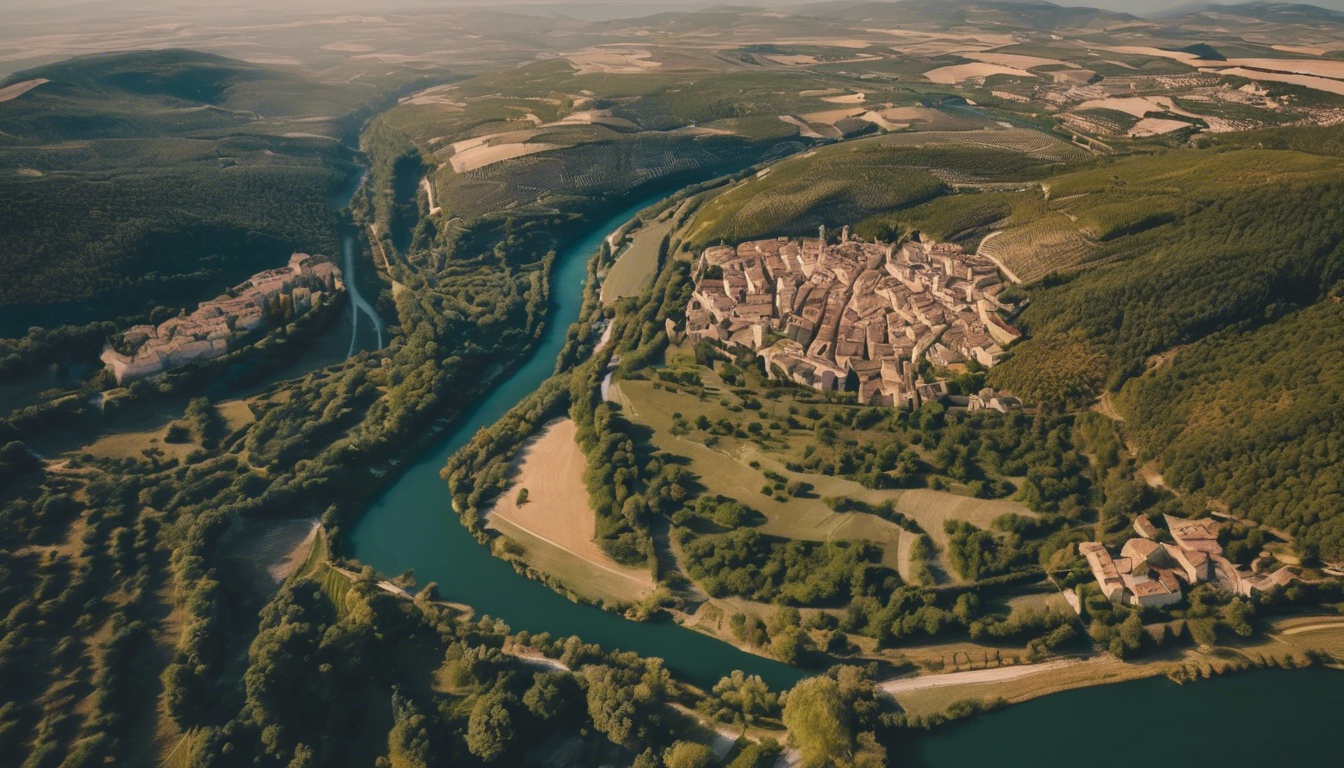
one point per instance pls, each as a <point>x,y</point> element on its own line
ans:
<point>609,7</point>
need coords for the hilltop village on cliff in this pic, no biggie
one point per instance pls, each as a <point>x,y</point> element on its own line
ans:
<point>855,315</point>
<point>220,325</point>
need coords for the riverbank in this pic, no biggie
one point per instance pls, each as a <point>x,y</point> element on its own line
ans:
<point>1259,717</point>
<point>410,525</point>
<point>1286,644</point>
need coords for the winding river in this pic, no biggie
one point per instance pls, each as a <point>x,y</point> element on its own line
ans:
<point>412,526</point>
<point>359,306</point>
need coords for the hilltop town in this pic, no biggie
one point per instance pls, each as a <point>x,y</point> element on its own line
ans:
<point>221,325</point>
<point>856,315</point>
<point>1150,573</point>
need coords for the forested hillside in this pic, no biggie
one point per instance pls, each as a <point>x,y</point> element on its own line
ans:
<point>1255,420</point>
<point>146,178</point>
<point>1243,235</point>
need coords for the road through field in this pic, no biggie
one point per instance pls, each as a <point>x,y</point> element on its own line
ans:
<point>973,676</point>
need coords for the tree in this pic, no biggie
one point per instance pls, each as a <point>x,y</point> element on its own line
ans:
<point>687,754</point>
<point>744,698</point>
<point>1239,616</point>
<point>788,645</point>
<point>814,715</point>
<point>490,730</point>
<point>552,695</point>
<point>408,741</point>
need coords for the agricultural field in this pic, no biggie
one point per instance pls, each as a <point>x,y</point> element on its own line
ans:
<point>852,181</point>
<point>1052,243</point>
<point>637,265</point>
<point>545,512</point>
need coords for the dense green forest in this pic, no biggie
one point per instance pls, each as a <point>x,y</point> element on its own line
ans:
<point>1264,235</point>
<point>1252,418</point>
<point>152,178</point>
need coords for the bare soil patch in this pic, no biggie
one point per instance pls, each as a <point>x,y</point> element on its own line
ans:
<point>612,60</point>
<point>481,155</point>
<point>958,72</point>
<point>556,525</point>
<point>18,89</point>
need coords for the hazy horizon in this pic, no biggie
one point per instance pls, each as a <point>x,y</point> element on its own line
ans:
<point>600,8</point>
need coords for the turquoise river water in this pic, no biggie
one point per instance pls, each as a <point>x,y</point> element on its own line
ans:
<point>1251,719</point>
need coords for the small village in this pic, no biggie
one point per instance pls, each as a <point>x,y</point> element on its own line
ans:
<point>1150,573</point>
<point>856,315</point>
<point>218,326</point>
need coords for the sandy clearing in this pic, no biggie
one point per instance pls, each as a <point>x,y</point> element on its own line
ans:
<point>1146,50</point>
<point>804,129</point>
<point>551,468</point>
<point>1313,628</point>
<point>1016,60</point>
<point>876,118</point>
<point>912,114</point>
<point>958,72</point>
<point>1156,126</point>
<point>1318,83</point>
<point>1072,76</point>
<point>704,130</point>
<point>480,156</point>
<point>822,92</point>
<point>831,116</point>
<point>792,60</point>
<point>30,172</point>
<point>604,60</point>
<point>1314,67</point>
<point>851,98</point>
<point>592,117</point>
<point>274,61</point>
<point>1306,50</point>
<point>492,139</point>
<point>1138,106</point>
<point>16,90</point>
<point>302,135</point>
<point>970,677</point>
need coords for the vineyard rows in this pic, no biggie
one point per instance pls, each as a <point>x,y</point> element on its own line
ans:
<point>1052,243</point>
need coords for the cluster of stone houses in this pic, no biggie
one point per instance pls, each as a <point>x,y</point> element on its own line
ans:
<point>218,325</point>
<point>823,315</point>
<point>1150,573</point>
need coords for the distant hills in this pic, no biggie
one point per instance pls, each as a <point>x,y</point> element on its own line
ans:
<point>135,179</point>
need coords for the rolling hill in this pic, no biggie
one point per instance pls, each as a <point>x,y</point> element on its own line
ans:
<point>136,179</point>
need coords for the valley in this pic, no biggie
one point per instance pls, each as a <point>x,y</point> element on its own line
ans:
<point>716,386</point>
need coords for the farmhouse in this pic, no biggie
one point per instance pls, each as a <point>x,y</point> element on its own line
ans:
<point>217,326</point>
<point>1151,574</point>
<point>854,314</point>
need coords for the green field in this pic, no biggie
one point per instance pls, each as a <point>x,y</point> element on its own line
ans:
<point>725,468</point>
<point>637,265</point>
<point>870,178</point>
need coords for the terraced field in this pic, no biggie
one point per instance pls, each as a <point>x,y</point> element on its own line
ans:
<point>1052,243</point>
